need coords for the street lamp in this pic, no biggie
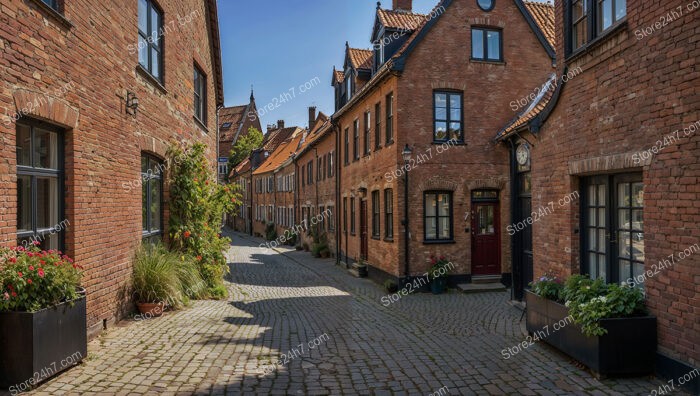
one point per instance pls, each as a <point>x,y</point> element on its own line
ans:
<point>406,153</point>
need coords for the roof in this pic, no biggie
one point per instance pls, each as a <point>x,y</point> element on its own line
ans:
<point>216,50</point>
<point>338,75</point>
<point>400,19</point>
<point>235,116</point>
<point>241,168</point>
<point>321,126</point>
<point>534,109</point>
<point>360,58</point>
<point>281,155</point>
<point>543,14</point>
<point>276,137</point>
<point>398,61</point>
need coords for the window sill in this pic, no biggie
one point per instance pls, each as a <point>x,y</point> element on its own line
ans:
<point>586,48</point>
<point>148,76</point>
<point>389,143</point>
<point>390,240</point>
<point>488,61</point>
<point>53,13</point>
<point>440,242</point>
<point>201,124</point>
<point>376,238</point>
<point>353,234</point>
<point>442,142</point>
<point>377,148</point>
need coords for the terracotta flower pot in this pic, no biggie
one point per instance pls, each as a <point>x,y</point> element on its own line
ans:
<point>153,309</point>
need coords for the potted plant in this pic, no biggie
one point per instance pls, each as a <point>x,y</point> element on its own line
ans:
<point>438,274</point>
<point>156,281</point>
<point>42,314</point>
<point>603,326</point>
<point>391,286</point>
<point>361,268</point>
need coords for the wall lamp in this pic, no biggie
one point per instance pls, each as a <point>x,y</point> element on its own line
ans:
<point>132,103</point>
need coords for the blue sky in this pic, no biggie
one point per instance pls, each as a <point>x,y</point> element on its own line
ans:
<point>279,45</point>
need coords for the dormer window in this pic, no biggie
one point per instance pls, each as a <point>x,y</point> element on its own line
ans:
<point>348,82</point>
<point>381,53</point>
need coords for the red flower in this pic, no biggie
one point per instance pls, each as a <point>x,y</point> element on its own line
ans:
<point>29,281</point>
<point>41,272</point>
<point>14,294</point>
<point>31,268</point>
<point>36,243</point>
<point>206,182</point>
<point>187,234</point>
<point>199,258</point>
<point>19,273</point>
<point>41,262</point>
<point>13,260</point>
<point>10,287</point>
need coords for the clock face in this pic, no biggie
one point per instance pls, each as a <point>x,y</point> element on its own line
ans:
<point>522,154</point>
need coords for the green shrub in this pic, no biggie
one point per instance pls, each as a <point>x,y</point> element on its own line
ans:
<point>197,205</point>
<point>548,287</point>
<point>155,276</point>
<point>218,292</point>
<point>440,267</point>
<point>290,238</point>
<point>270,232</point>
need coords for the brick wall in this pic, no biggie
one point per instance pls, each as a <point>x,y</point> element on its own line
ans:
<point>634,90</point>
<point>103,145</point>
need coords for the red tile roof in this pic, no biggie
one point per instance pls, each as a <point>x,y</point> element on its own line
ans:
<point>338,76</point>
<point>400,19</point>
<point>282,154</point>
<point>276,137</point>
<point>543,14</point>
<point>360,58</point>
<point>319,129</point>
<point>234,115</point>
<point>546,93</point>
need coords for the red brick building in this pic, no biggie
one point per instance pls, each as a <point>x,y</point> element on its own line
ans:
<point>618,125</point>
<point>315,164</point>
<point>234,123</point>
<point>439,84</point>
<point>86,121</point>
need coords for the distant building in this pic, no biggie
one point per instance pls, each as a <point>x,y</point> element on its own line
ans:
<point>234,123</point>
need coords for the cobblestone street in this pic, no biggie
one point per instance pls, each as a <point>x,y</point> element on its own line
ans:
<point>343,341</point>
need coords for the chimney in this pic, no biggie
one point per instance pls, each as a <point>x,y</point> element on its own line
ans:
<point>271,127</point>
<point>280,124</point>
<point>312,116</point>
<point>403,5</point>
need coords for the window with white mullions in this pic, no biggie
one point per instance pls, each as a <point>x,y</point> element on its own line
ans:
<point>39,150</point>
<point>438,216</point>
<point>448,116</point>
<point>150,38</point>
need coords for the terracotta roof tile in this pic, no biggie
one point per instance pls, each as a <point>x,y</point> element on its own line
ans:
<point>279,156</point>
<point>338,75</point>
<point>400,19</point>
<point>275,138</point>
<point>538,104</point>
<point>234,117</point>
<point>322,125</point>
<point>543,14</point>
<point>360,58</point>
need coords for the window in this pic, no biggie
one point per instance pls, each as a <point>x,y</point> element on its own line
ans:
<point>150,39</point>
<point>356,140</point>
<point>375,214</point>
<point>223,168</point>
<point>347,146</point>
<point>319,168</point>
<point>486,44</point>
<point>348,86</point>
<point>390,118</point>
<point>438,216</point>
<point>303,178</point>
<point>345,214</point>
<point>331,218</point>
<point>39,186</point>
<point>388,213</point>
<point>52,3</point>
<point>352,216</point>
<point>331,162</point>
<point>321,223</point>
<point>200,95</point>
<point>448,116</point>
<point>486,5</point>
<point>226,125</point>
<point>377,126</point>
<point>613,224</point>
<point>590,19</point>
<point>151,197</point>
<point>310,172</point>
<point>367,131</point>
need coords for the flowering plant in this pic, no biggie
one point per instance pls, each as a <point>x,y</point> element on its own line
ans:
<point>32,279</point>
<point>591,300</point>
<point>548,287</point>
<point>440,267</point>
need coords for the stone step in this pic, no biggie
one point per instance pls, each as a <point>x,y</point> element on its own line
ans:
<point>354,272</point>
<point>486,279</point>
<point>481,287</point>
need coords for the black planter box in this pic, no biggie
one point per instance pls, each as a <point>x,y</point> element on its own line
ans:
<point>629,347</point>
<point>34,346</point>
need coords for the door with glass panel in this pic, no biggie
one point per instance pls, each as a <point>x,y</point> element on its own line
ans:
<point>613,227</point>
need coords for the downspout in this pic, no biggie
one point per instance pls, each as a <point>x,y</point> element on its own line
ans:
<point>337,197</point>
<point>513,205</point>
<point>296,195</point>
<point>252,205</point>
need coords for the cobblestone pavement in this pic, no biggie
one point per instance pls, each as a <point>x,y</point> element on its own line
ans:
<point>342,341</point>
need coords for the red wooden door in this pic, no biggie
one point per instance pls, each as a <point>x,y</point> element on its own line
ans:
<point>363,230</point>
<point>486,252</point>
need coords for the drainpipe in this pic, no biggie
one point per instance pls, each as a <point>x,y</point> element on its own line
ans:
<point>513,205</point>
<point>406,228</point>
<point>337,196</point>
<point>252,205</point>
<point>296,195</point>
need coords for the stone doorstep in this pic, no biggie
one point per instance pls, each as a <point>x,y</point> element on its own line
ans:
<point>481,287</point>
